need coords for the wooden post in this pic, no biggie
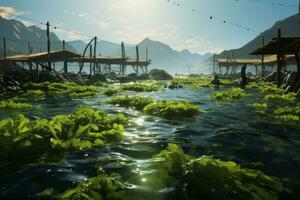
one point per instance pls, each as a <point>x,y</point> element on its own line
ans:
<point>279,58</point>
<point>263,67</point>
<point>147,54</point>
<point>123,57</point>
<point>91,60</point>
<point>4,48</point>
<point>48,45</point>
<point>95,54</point>
<point>29,52</point>
<point>214,63</point>
<point>65,58</point>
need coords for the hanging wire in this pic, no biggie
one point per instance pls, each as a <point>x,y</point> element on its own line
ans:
<point>216,18</point>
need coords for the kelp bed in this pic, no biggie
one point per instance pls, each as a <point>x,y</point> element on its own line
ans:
<point>65,141</point>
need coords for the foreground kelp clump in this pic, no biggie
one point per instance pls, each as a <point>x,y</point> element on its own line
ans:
<point>24,138</point>
<point>193,179</point>
<point>229,95</point>
<point>68,88</point>
<point>209,178</point>
<point>165,109</point>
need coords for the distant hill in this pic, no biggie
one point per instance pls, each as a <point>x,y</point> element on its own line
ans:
<point>18,35</point>
<point>164,57</point>
<point>289,27</point>
<point>104,47</point>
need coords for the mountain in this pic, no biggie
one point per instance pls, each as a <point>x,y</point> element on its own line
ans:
<point>104,47</point>
<point>18,35</point>
<point>289,27</point>
<point>163,56</point>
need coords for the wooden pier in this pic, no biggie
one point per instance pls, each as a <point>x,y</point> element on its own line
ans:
<point>98,64</point>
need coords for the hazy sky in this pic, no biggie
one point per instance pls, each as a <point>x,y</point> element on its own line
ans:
<point>185,26</point>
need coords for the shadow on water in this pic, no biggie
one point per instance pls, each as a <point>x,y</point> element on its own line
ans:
<point>229,131</point>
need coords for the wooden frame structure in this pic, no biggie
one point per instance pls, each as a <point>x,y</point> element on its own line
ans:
<point>283,47</point>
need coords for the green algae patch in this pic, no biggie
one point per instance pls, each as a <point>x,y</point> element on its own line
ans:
<point>100,187</point>
<point>261,108</point>
<point>266,88</point>
<point>172,109</point>
<point>164,109</point>
<point>13,106</point>
<point>229,95</point>
<point>136,102</point>
<point>210,178</point>
<point>35,94</point>
<point>111,91</point>
<point>290,97</point>
<point>140,87</point>
<point>29,139</point>
<point>198,82</point>
<point>69,89</point>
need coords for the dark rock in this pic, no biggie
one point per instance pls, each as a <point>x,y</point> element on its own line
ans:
<point>157,74</point>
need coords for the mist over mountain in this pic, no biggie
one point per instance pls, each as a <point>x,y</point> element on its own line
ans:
<point>18,35</point>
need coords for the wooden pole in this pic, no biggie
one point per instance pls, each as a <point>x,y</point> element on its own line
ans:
<point>4,48</point>
<point>214,63</point>
<point>263,67</point>
<point>123,57</point>
<point>279,57</point>
<point>91,60</point>
<point>29,52</point>
<point>48,45</point>
<point>65,58</point>
<point>147,54</point>
<point>95,54</point>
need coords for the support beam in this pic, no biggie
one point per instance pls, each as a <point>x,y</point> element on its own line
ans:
<point>279,58</point>
<point>91,60</point>
<point>95,54</point>
<point>4,48</point>
<point>48,45</point>
<point>263,67</point>
<point>65,58</point>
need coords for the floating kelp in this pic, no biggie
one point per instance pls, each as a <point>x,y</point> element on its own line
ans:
<point>198,82</point>
<point>266,88</point>
<point>23,138</point>
<point>209,178</point>
<point>67,88</point>
<point>100,187</point>
<point>137,102</point>
<point>229,95</point>
<point>165,109</point>
<point>12,106</point>
<point>35,94</point>
<point>261,108</point>
<point>140,87</point>
<point>290,97</point>
<point>111,91</point>
<point>172,109</point>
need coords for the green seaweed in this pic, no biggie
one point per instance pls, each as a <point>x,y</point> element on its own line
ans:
<point>140,87</point>
<point>266,87</point>
<point>261,108</point>
<point>111,91</point>
<point>13,106</point>
<point>172,109</point>
<point>86,128</point>
<point>98,188</point>
<point>137,102</point>
<point>229,95</point>
<point>290,97</point>
<point>35,94</point>
<point>70,89</point>
<point>209,178</point>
